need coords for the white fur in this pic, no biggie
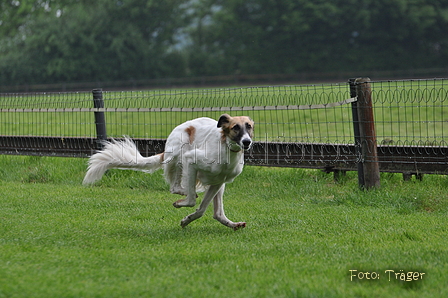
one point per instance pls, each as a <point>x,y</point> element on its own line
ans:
<point>198,156</point>
<point>119,155</point>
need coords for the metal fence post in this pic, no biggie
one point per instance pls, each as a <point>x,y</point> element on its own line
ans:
<point>356,133</point>
<point>100,120</point>
<point>367,134</point>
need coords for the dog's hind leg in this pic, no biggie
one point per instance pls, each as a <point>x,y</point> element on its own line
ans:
<point>190,175</point>
<point>219,212</point>
<point>209,195</point>
<point>175,182</point>
<point>173,175</point>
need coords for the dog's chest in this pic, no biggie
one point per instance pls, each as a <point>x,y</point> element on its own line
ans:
<point>224,171</point>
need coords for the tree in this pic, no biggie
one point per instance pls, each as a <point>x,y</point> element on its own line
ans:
<point>79,40</point>
<point>266,36</point>
<point>97,40</point>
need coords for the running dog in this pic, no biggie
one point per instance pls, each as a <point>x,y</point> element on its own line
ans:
<point>200,155</point>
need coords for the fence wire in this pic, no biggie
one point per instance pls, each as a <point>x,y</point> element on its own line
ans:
<point>310,113</point>
<point>46,114</point>
<point>407,113</point>
<point>411,112</point>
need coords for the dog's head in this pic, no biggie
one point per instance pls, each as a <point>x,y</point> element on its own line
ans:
<point>238,129</point>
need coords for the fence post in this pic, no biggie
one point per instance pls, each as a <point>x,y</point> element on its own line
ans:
<point>367,134</point>
<point>100,120</point>
<point>356,133</point>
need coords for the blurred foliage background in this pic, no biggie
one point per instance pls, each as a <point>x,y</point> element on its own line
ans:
<point>48,41</point>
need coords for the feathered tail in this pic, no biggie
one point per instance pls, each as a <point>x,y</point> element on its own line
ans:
<point>120,155</point>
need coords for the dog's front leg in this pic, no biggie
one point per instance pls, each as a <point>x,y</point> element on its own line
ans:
<point>219,212</point>
<point>211,192</point>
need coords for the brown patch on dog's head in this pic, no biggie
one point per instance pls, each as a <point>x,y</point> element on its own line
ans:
<point>239,129</point>
<point>191,131</point>
<point>162,156</point>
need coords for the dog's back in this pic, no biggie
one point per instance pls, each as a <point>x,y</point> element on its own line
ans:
<point>195,132</point>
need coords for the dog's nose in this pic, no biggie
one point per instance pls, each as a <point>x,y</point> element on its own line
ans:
<point>246,143</point>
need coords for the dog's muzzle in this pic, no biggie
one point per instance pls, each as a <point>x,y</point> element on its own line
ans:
<point>247,143</point>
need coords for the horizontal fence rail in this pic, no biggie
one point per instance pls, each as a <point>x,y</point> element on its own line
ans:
<point>309,126</point>
<point>328,157</point>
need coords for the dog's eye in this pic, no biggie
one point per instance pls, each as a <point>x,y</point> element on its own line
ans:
<point>248,126</point>
<point>236,127</point>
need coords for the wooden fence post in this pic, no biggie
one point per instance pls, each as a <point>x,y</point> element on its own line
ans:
<point>100,120</point>
<point>367,134</point>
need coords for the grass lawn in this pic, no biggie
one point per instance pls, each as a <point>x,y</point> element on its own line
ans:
<point>305,232</point>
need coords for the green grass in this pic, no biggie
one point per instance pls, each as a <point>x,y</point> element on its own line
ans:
<point>121,238</point>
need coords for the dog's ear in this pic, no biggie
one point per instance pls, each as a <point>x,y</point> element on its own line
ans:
<point>224,119</point>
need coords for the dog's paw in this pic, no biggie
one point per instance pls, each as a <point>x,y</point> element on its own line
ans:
<point>176,204</point>
<point>239,225</point>
<point>178,192</point>
<point>183,203</point>
<point>183,224</point>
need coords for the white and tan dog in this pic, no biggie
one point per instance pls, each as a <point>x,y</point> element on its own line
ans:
<point>201,154</point>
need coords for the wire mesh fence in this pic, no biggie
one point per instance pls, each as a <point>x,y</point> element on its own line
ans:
<point>282,113</point>
<point>411,118</point>
<point>47,114</point>
<point>411,112</point>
